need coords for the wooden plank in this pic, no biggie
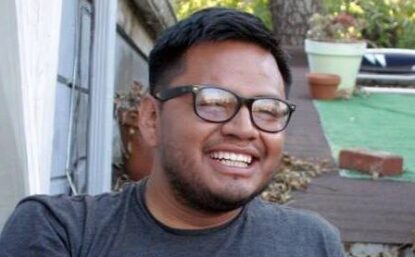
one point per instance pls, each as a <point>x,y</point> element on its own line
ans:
<point>363,210</point>
<point>305,137</point>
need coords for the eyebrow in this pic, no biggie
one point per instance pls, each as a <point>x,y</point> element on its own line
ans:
<point>273,95</point>
<point>267,95</point>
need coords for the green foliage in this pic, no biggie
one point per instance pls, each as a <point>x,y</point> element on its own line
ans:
<point>388,23</point>
<point>184,8</point>
<point>407,41</point>
<point>341,27</point>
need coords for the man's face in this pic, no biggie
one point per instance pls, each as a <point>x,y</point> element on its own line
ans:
<point>189,146</point>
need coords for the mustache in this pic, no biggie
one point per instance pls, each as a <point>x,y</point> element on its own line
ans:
<point>236,142</point>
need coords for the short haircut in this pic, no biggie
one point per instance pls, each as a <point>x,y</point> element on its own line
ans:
<point>211,24</point>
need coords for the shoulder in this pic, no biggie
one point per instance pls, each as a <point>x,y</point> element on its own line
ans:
<point>74,206</point>
<point>293,221</point>
<point>290,227</point>
<point>66,222</point>
<point>71,213</point>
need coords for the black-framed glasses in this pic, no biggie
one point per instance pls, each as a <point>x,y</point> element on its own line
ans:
<point>219,105</point>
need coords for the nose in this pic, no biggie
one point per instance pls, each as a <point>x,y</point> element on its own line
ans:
<point>241,126</point>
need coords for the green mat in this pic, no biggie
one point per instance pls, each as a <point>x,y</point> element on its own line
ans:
<point>381,122</point>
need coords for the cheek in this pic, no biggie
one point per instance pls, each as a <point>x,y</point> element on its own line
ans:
<point>274,145</point>
<point>185,130</point>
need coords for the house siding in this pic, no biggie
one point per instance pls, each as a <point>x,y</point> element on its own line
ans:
<point>134,40</point>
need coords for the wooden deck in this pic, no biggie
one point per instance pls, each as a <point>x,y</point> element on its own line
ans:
<point>364,211</point>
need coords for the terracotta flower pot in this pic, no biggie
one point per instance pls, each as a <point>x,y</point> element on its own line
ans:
<point>323,86</point>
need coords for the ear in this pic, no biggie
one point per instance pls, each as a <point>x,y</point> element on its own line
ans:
<point>149,120</point>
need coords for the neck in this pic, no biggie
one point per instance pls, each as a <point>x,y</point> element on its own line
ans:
<point>163,205</point>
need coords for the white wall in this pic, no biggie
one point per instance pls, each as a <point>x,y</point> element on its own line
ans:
<point>28,68</point>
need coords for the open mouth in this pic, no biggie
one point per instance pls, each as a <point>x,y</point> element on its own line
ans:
<point>231,159</point>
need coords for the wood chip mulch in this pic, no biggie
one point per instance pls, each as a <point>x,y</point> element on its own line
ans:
<point>294,174</point>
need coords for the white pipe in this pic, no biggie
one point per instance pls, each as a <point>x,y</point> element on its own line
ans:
<point>391,90</point>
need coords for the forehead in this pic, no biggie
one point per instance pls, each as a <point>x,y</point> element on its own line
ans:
<point>244,68</point>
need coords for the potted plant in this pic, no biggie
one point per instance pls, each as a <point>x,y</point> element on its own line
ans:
<point>334,45</point>
<point>323,86</point>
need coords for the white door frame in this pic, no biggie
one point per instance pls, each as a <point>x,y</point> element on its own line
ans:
<point>102,97</point>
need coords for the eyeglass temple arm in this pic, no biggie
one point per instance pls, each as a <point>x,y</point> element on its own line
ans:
<point>173,92</point>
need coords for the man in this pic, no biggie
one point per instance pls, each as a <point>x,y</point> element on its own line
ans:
<point>215,118</point>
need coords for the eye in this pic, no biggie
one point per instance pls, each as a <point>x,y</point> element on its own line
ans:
<point>215,97</point>
<point>213,100</point>
<point>215,104</point>
<point>269,109</point>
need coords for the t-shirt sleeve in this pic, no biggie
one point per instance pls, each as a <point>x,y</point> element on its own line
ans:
<point>308,233</point>
<point>32,230</point>
<point>325,233</point>
<point>333,243</point>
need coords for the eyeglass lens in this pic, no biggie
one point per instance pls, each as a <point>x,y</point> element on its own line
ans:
<point>218,105</point>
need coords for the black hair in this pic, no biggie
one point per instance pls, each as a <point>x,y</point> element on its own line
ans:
<point>210,24</point>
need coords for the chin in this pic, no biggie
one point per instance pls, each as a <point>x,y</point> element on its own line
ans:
<point>204,188</point>
<point>229,199</point>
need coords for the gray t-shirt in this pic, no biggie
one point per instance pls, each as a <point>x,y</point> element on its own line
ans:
<point>119,224</point>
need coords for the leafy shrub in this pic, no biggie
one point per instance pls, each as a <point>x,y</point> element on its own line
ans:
<point>388,23</point>
<point>340,27</point>
<point>184,8</point>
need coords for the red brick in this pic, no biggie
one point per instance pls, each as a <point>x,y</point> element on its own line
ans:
<point>371,162</point>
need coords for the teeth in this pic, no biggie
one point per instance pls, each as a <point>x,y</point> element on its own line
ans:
<point>232,159</point>
<point>234,163</point>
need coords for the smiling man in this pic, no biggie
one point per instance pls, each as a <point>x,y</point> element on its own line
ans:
<point>215,118</point>
<point>217,130</point>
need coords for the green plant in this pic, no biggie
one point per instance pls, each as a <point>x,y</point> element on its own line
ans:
<point>388,23</point>
<point>408,38</point>
<point>184,8</point>
<point>341,27</point>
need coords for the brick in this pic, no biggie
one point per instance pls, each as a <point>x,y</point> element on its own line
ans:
<point>371,162</point>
